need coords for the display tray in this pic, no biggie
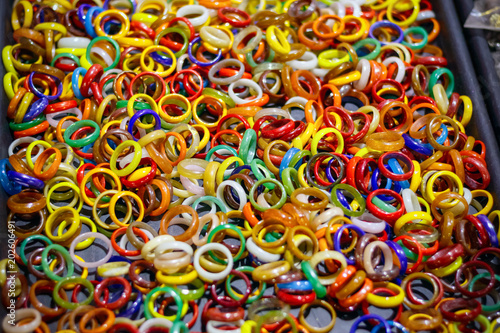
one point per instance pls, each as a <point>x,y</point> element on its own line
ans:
<point>487,77</point>
<point>454,46</point>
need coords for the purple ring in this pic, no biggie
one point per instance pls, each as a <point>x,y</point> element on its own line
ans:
<point>196,61</point>
<point>25,180</point>
<point>38,94</point>
<point>403,262</point>
<point>387,24</point>
<point>490,229</point>
<point>139,114</point>
<point>338,234</point>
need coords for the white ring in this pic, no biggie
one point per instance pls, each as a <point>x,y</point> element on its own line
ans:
<point>239,189</point>
<point>369,223</point>
<point>356,8</point>
<point>17,142</point>
<point>338,9</point>
<point>272,112</point>
<point>206,274</point>
<point>154,322</point>
<point>86,264</point>
<point>20,314</point>
<point>222,64</point>
<point>259,253</point>
<point>246,83</point>
<point>194,9</point>
<point>365,69</point>
<point>367,261</point>
<point>307,61</point>
<point>73,43</point>
<point>425,15</point>
<point>401,67</point>
<point>148,248</point>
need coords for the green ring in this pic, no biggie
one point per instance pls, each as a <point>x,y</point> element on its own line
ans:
<point>172,291</point>
<point>22,255</point>
<point>416,30</point>
<point>248,146</point>
<point>24,126</point>
<point>383,205</point>
<point>312,276</point>
<point>178,326</point>
<point>66,55</point>
<point>220,147</point>
<point>352,191</point>
<point>278,205</point>
<point>486,308</point>
<point>368,41</point>
<point>115,45</point>
<point>265,174</point>
<point>84,141</point>
<point>45,264</point>
<point>68,280</point>
<point>436,75</point>
<point>215,200</point>
<point>230,291</point>
<point>240,235</point>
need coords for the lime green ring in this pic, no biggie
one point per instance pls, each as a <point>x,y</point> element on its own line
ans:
<point>416,30</point>
<point>191,294</point>
<point>70,266</point>
<point>181,32</point>
<point>298,157</point>
<point>368,41</point>
<point>219,95</point>
<point>24,126</point>
<point>436,75</point>
<point>261,172</point>
<point>288,177</point>
<point>231,293</point>
<point>275,313</point>
<point>66,55</point>
<point>356,195</point>
<point>278,205</point>
<point>485,323</point>
<point>154,294</point>
<point>70,280</point>
<point>311,275</point>
<point>115,45</point>
<point>221,228</point>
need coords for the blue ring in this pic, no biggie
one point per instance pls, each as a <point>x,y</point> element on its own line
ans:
<point>287,158</point>
<point>397,169</point>
<point>417,145</point>
<point>490,229</point>
<point>74,82</point>
<point>302,285</point>
<point>38,94</point>
<point>25,180</point>
<point>9,186</point>
<point>361,319</point>
<point>89,20</point>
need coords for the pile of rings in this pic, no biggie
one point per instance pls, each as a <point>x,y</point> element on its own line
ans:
<point>312,151</point>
